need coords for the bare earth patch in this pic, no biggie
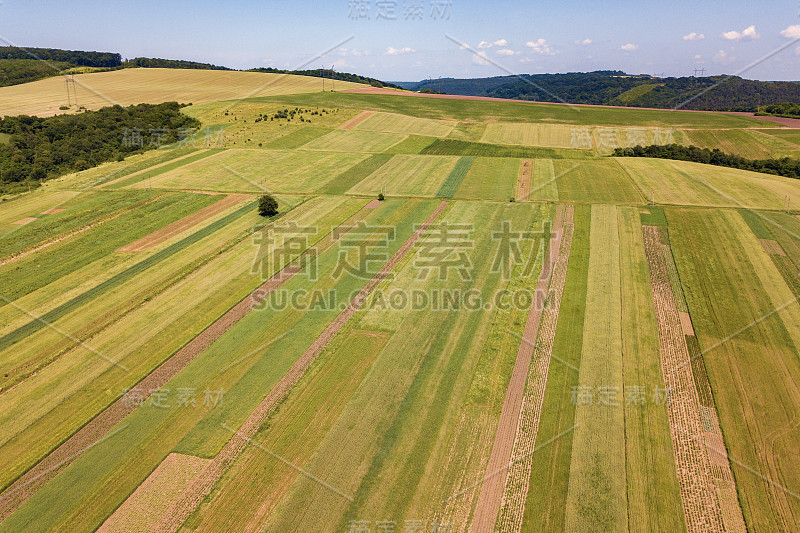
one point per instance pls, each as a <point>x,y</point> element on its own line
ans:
<point>374,204</point>
<point>54,210</point>
<point>26,220</point>
<point>771,247</point>
<point>356,120</point>
<point>145,507</point>
<point>170,230</point>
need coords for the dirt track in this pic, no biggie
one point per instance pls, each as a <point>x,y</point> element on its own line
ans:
<point>195,494</point>
<point>497,470</point>
<point>355,121</point>
<point>170,230</point>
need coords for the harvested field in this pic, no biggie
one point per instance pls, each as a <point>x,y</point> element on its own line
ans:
<point>523,192</point>
<point>493,489</point>
<point>184,224</point>
<point>25,486</point>
<point>686,323</point>
<point>772,247</point>
<point>517,482</point>
<point>704,510</point>
<point>145,507</point>
<point>26,220</point>
<point>178,512</point>
<point>353,122</point>
<point>54,211</point>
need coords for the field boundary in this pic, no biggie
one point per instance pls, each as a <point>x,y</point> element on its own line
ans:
<point>456,176</point>
<point>524,180</point>
<point>356,120</point>
<point>189,501</point>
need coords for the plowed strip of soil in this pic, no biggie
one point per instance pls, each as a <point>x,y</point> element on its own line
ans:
<point>145,507</point>
<point>356,120</point>
<point>54,210</point>
<point>704,508</point>
<point>170,230</point>
<point>491,493</point>
<point>771,247</point>
<point>686,323</point>
<point>49,466</point>
<point>374,204</point>
<point>524,180</point>
<point>195,494</point>
<point>515,492</point>
<point>26,220</point>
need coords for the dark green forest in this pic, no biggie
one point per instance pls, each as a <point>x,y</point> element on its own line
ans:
<point>610,87</point>
<point>322,73</point>
<point>43,148</point>
<point>787,167</point>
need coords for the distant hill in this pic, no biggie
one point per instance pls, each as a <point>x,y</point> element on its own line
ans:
<point>22,65</point>
<point>611,87</point>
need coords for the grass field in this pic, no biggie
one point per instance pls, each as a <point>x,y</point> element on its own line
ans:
<point>152,85</point>
<point>408,175</point>
<point>345,365</point>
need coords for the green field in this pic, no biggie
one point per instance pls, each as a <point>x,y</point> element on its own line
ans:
<point>352,363</point>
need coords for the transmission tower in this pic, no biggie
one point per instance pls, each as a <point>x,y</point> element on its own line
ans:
<point>70,81</point>
<point>702,72</point>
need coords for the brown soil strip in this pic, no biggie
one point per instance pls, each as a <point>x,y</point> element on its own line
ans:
<point>374,204</point>
<point>524,180</point>
<point>210,193</point>
<point>355,121</point>
<point>170,230</point>
<point>686,323</point>
<point>145,507</point>
<point>705,507</point>
<point>491,494</point>
<point>189,501</point>
<point>49,466</point>
<point>771,247</point>
<point>515,493</point>
<point>644,211</point>
<point>54,210</point>
<point>26,220</point>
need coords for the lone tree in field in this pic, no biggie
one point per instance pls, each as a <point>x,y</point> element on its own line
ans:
<point>267,206</point>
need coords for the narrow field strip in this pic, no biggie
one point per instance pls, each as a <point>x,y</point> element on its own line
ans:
<point>705,483</point>
<point>98,290</point>
<point>356,120</point>
<point>523,192</point>
<point>28,484</point>
<point>161,168</point>
<point>161,235</point>
<point>515,493</point>
<point>352,176</point>
<point>145,507</point>
<point>492,488</point>
<point>459,172</point>
<point>181,510</point>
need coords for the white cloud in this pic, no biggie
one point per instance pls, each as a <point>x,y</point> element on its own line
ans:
<point>500,42</point>
<point>484,44</point>
<point>747,33</point>
<point>506,52</point>
<point>540,46</point>
<point>792,32</point>
<point>584,42</point>
<point>480,58</point>
<point>723,58</point>
<point>630,47</point>
<point>391,51</point>
<point>694,36</point>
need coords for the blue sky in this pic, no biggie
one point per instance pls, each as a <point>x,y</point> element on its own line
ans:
<point>401,42</point>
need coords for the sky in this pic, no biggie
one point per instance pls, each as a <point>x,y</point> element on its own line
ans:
<point>410,40</point>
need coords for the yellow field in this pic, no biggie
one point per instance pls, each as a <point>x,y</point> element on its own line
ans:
<point>548,135</point>
<point>355,141</point>
<point>156,85</point>
<point>408,175</point>
<point>392,123</point>
<point>685,183</point>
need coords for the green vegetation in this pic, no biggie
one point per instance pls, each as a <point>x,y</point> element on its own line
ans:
<point>787,167</point>
<point>477,149</point>
<point>267,206</point>
<point>459,172</point>
<point>44,148</point>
